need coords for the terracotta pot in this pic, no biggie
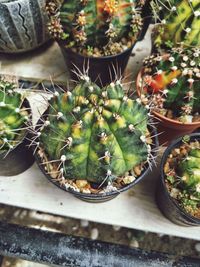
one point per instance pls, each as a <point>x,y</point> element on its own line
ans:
<point>168,205</point>
<point>22,25</point>
<point>168,129</point>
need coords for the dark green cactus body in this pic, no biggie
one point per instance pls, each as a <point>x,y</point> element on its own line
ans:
<point>180,23</point>
<point>98,24</point>
<point>12,116</point>
<point>175,82</point>
<point>97,135</point>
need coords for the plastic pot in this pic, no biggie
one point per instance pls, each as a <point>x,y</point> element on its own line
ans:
<point>101,197</point>
<point>22,25</point>
<point>168,205</point>
<point>19,159</point>
<point>168,129</point>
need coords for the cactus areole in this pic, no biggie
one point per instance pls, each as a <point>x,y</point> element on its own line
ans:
<point>14,116</point>
<point>178,23</point>
<point>182,175</point>
<point>171,83</point>
<point>96,28</point>
<point>96,136</point>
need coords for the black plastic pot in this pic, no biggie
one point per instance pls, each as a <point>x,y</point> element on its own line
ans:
<point>168,205</point>
<point>103,70</point>
<point>19,159</point>
<point>101,197</point>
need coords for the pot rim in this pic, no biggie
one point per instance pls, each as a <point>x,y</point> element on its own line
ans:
<point>160,116</point>
<point>176,143</point>
<point>27,105</point>
<point>100,195</point>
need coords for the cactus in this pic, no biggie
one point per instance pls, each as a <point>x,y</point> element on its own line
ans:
<point>96,27</point>
<point>185,177</point>
<point>172,83</point>
<point>13,116</point>
<point>94,135</point>
<point>179,23</point>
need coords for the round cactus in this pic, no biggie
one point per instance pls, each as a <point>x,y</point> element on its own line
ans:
<point>183,176</point>
<point>179,23</point>
<point>93,134</point>
<point>13,116</point>
<point>171,83</point>
<point>96,27</point>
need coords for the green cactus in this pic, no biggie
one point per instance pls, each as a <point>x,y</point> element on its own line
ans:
<point>173,83</point>
<point>13,116</point>
<point>93,134</point>
<point>98,24</point>
<point>179,23</point>
<point>186,177</point>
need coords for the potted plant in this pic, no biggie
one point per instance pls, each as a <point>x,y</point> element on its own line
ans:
<point>170,83</point>
<point>97,35</point>
<point>15,114</point>
<point>93,142</point>
<point>178,22</point>
<point>22,25</point>
<point>178,193</point>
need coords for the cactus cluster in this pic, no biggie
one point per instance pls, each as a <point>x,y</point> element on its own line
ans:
<point>13,116</point>
<point>96,136</point>
<point>179,23</point>
<point>172,84</point>
<point>183,176</point>
<point>96,28</point>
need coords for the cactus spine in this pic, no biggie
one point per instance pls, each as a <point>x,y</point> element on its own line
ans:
<point>93,134</point>
<point>13,116</point>
<point>96,27</point>
<point>172,82</point>
<point>179,23</point>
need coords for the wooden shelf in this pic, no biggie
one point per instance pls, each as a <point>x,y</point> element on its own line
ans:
<point>135,208</point>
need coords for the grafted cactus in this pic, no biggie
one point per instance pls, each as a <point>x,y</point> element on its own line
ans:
<point>96,27</point>
<point>179,23</point>
<point>172,83</point>
<point>93,134</point>
<point>13,116</point>
<point>184,176</point>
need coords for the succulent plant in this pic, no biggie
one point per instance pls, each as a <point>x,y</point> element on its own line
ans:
<point>184,176</point>
<point>179,23</point>
<point>13,116</point>
<point>171,83</point>
<point>94,135</point>
<point>96,27</point>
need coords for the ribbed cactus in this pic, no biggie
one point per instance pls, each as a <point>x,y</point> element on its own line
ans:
<point>184,176</point>
<point>172,83</point>
<point>96,27</point>
<point>93,134</point>
<point>179,23</point>
<point>13,116</point>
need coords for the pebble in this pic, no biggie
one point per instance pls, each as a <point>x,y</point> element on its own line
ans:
<point>134,243</point>
<point>116,227</point>
<point>197,247</point>
<point>84,223</point>
<point>129,234</point>
<point>94,233</point>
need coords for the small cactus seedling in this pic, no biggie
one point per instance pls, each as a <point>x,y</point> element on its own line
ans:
<point>182,171</point>
<point>172,84</point>
<point>179,23</point>
<point>96,28</point>
<point>92,135</point>
<point>13,116</point>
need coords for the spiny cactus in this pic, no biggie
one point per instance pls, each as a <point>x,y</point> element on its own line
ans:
<point>179,23</point>
<point>184,177</point>
<point>13,116</point>
<point>93,134</point>
<point>172,84</point>
<point>96,27</point>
